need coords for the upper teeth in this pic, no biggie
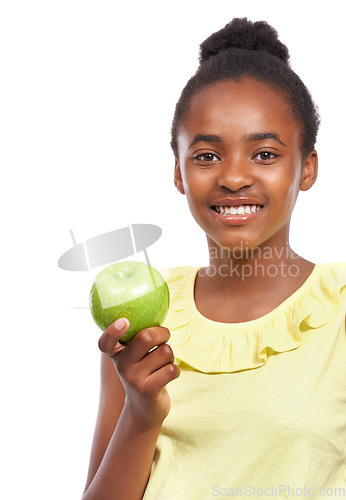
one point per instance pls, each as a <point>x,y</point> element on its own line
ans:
<point>242,209</point>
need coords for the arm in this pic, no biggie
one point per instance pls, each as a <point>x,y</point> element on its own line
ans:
<point>126,432</point>
<point>111,402</point>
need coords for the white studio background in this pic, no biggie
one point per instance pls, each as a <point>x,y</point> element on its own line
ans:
<point>88,91</point>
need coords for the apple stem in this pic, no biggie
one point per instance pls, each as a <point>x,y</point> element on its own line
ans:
<point>149,266</point>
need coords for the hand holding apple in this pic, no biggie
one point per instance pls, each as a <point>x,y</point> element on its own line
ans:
<point>131,290</point>
<point>145,366</point>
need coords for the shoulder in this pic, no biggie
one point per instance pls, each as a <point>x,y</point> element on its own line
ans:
<point>333,275</point>
<point>336,268</point>
<point>175,273</point>
<point>178,277</point>
<point>180,281</point>
<point>336,274</point>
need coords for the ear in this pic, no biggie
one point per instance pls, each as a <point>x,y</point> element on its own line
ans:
<point>309,171</point>
<point>178,181</point>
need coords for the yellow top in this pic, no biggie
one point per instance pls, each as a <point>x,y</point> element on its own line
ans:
<point>259,408</point>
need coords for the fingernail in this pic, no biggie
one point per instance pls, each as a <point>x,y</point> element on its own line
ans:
<point>120,324</point>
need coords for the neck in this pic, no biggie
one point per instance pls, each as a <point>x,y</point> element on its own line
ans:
<point>258,268</point>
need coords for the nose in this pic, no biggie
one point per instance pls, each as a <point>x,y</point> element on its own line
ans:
<point>236,173</point>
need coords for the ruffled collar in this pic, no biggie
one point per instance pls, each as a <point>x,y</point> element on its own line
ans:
<point>213,347</point>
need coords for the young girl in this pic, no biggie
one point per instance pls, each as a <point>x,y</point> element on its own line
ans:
<point>242,392</point>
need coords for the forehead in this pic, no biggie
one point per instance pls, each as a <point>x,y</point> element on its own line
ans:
<point>239,109</point>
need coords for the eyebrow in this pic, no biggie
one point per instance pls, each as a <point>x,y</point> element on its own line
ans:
<point>205,138</point>
<point>259,136</point>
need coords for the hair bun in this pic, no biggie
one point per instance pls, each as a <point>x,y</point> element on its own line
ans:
<point>243,34</point>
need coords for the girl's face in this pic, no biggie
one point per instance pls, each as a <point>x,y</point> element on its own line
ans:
<point>239,145</point>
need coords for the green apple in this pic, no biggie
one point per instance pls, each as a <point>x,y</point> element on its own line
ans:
<point>131,290</point>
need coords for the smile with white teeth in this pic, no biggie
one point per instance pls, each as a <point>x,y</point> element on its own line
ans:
<point>240,210</point>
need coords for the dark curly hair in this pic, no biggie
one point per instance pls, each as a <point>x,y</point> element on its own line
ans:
<point>246,49</point>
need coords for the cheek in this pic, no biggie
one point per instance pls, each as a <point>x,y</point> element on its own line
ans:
<point>195,183</point>
<point>197,192</point>
<point>286,188</point>
<point>294,183</point>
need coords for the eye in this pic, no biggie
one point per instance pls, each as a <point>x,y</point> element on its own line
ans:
<point>265,156</point>
<point>207,157</point>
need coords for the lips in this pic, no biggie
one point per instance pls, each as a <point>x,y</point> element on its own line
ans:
<point>236,202</point>
<point>243,215</point>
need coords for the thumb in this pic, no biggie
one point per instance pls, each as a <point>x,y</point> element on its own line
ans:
<point>109,340</point>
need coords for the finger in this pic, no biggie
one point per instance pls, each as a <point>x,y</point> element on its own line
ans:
<point>109,340</point>
<point>145,340</point>
<point>162,377</point>
<point>156,359</point>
